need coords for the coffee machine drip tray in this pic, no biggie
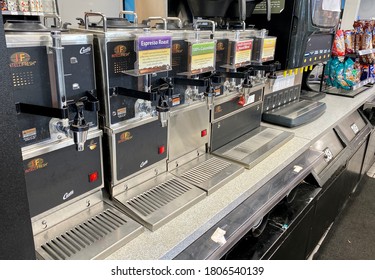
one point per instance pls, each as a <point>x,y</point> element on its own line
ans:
<point>295,113</point>
<point>251,148</point>
<point>94,233</point>
<point>158,200</point>
<point>208,172</point>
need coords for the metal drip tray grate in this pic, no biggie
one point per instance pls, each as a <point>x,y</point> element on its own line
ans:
<point>89,239</point>
<point>253,147</point>
<point>205,171</point>
<point>159,200</point>
<point>208,172</point>
<point>158,197</point>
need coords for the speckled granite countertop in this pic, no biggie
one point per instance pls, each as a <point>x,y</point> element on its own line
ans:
<point>169,240</point>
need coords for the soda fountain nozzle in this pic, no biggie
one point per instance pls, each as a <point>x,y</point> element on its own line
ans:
<point>79,128</point>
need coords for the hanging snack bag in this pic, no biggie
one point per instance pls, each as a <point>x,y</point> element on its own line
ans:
<point>358,27</point>
<point>349,41</point>
<point>365,72</point>
<point>327,69</point>
<point>340,76</point>
<point>335,62</point>
<point>338,48</point>
<point>367,43</point>
<point>358,67</point>
<point>372,71</point>
<point>350,73</point>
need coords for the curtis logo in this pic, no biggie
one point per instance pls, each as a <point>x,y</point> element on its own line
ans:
<point>21,59</point>
<point>86,50</point>
<point>125,136</point>
<point>35,164</point>
<point>67,195</point>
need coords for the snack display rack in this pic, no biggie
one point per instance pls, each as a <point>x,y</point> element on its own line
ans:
<point>351,69</point>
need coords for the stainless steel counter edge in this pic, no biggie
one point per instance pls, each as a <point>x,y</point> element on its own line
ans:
<point>171,239</point>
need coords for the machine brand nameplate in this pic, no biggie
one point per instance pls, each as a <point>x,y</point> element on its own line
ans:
<point>21,59</point>
<point>35,164</point>
<point>120,51</point>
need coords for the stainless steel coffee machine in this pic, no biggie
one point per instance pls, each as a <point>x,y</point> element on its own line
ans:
<point>132,63</point>
<point>53,79</point>
<point>241,52</point>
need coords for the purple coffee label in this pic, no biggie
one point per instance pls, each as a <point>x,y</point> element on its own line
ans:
<point>154,43</point>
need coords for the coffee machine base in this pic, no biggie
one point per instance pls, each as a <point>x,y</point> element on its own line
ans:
<point>93,233</point>
<point>158,200</point>
<point>208,172</point>
<point>251,148</point>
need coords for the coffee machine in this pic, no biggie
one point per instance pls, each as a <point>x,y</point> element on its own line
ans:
<point>241,54</point>
<point>53,81</point>
<point>132,62</point>
<point>305,31</point>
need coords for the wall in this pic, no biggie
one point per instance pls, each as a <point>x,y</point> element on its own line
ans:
<point>71,9</point>
<point>148,8</point>
<point>367,9</point>
<point>350,13</point>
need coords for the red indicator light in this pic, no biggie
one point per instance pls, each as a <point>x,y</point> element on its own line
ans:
<point>204,133</point>
<point>93,176</point>
<point>161,150</point>
<point>242,100</point>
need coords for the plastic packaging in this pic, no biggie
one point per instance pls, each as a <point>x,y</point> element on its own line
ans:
<point>365,72</point>
<point>372,71</point>
<point>358,67</point>
<point>349,36</point>
<point>358,27</point>
<point>327,77</point>
<point>367,43</point>
<point>338,48</point>
<point>335,62</point>
<point>350,73</point>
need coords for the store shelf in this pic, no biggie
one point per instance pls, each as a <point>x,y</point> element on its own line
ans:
<point>364,52</point>
<point>354,91</point>
<point>17,13</point>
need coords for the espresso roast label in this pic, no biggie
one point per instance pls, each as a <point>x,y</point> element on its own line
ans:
<point>202,57</point>
<point>154,54</point>
<point>243,52</point>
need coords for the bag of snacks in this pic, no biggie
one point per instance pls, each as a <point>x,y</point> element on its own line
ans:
<point>372,71</point>
<point>335,62</point>
<point>358,68</point>
<point>358,28</point>
<point>349,36</point>
<point>367,43</point>
<point>365,72</point>
<point>350,73</point>
<point>338,48</point>
<point>340,77</point>
<point>327,69</point>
